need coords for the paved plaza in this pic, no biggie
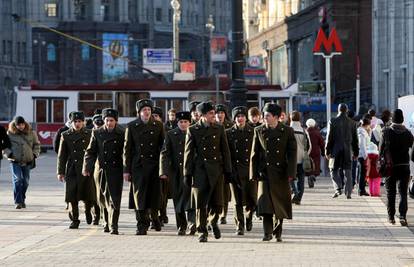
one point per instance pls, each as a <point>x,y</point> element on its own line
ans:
<point>324,232</point>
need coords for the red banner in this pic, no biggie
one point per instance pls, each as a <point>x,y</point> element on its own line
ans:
<point>47,132</point>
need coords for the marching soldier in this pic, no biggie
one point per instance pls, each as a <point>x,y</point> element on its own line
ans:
<point>105,149</point>
<point>206,158</point>
<point>254,117</point>
<point>172,121</point>
<point>97,121</point>
<point>171,167</point>
<point>69,169</point>
<point>222,119</point>
<point>244,191</point>
<point>144,138</point>
<point>157,114</point>
<point>273,164</point>
<point>195,117</point>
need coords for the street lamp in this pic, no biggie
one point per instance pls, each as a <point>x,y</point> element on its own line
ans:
<point>175,4</point>
<point>210,26</point>
<point>39,43</point>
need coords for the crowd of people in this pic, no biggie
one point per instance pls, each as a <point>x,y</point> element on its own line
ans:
<point>208,157</point>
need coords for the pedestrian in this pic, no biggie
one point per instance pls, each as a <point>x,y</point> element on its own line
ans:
<point>396,142</point>
<point>195,117</point>
<point>144,138</point>
<point>171,168</point>
<point>244,191</point>
<point>206,159</point>
<point>372,175</point>
<point>364,133</point>
<point>273,164</point>
<point>4,141</point>
<point>386,118</point>
<point>97,121</point>
<point>22,153</point>
<point>341,148</point>
<point>303,150</point>
<point>222,118</point>
<point>254,115</point>
<point>105,149</point>
<point>317,150</point>
<point>172,121</point>
<point>157,114</point>
<point>375,127</point>
<point>78,187</point>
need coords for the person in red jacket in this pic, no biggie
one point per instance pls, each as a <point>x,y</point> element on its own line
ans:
<point>318,150</point>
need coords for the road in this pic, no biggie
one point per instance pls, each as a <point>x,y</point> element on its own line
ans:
<point>323,232</point>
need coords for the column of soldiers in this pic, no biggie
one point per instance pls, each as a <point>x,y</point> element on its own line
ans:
<point>200,164</point>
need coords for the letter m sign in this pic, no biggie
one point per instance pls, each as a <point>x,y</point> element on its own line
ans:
<point>327,43</point>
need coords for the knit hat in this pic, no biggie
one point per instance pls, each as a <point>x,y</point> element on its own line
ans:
<point>18,120</point>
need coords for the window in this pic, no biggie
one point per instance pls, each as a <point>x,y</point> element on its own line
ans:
<point>41,110</point>
<point>51,52</point>
<point>9,54</point>
<point>304,60</point>
<point>51,9</point>
<point>85,52</point>
<point>135,52</point>
<point>18,53</point>
<point>170,15</point>
<point>24,55</point>
<point>126,102</point>
<point>89,102</point>
<point>58,111</point>
<point>4,47</point>
<point>279,67</point>
<point>158,14</point>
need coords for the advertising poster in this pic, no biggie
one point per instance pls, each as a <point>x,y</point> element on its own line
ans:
<point>218,49</point>
<point>114,67</point>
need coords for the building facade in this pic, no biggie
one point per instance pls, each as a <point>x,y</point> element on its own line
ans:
<point>286,42</point>
<point>15,59</point>
<point>393,51</point>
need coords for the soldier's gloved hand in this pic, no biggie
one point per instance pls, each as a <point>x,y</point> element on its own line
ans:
<point>188,180</point>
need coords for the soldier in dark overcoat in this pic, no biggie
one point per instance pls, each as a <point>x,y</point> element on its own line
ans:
<point>195,116</point>
<point>171,168</point>
<point>144,138</point>
<point>103,158</point>
<point>206,158</point>
<point>222,118</point>
<point>273,164</point>
<point>72,148</point>
<point>244,191</point>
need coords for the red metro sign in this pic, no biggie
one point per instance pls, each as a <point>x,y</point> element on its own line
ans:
<point>328,42</point>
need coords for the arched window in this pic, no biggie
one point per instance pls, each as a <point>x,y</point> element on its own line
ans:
<point>51,52</point>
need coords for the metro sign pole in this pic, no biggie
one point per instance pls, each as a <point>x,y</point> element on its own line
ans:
<point>328,55</point>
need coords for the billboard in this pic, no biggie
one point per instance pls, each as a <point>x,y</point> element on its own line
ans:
<point>114,66</point>
<point>218,49</point>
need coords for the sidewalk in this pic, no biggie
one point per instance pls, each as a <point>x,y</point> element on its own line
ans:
<point>323,232</point>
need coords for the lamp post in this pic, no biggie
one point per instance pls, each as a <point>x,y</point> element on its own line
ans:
<point>175,4</point>
<point>238,88</point>
<point>210,26</point>
<point>39,43</point>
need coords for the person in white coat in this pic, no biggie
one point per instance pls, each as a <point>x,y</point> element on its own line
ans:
<point>363,141</point>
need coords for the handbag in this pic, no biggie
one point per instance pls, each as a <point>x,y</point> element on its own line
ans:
<point>31,164</point>
<point>308,164</point>
<point>386,160</point>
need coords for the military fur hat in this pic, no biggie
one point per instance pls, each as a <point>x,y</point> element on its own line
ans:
<point>144,103</point>
<point>109,112</point>
<point>275,109</point>
<point>221,107</point>
<point>183,115</point>
<point>97,118</point>
<point>204,107</point>
<point>238,110</point>
<point>77,115</point>
<point>158,111</point>
<point>193,105</point>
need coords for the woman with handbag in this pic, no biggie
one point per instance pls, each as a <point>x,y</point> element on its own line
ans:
<point>317,150</point>
<point>25,148</point>
<point>303,159</point>
<point>396,142</point>
<point>363,141</point>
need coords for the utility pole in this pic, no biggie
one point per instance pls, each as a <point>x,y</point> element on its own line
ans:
<point>175,4</point>
<point>238,88</point>
<point>210,26</point>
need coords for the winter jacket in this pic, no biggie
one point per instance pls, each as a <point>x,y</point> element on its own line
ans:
<point>25,145</point>
<point>400,141</point>
<point>363,141</point>
<point>302,141</point>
